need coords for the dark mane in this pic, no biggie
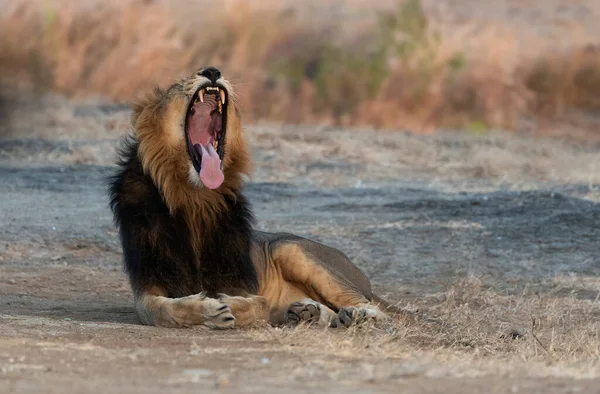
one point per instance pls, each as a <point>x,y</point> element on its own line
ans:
<point>157,244</point>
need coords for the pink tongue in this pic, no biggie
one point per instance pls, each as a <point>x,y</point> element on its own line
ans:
<point>210,172</point>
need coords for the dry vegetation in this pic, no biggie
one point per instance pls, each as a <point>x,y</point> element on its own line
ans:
<point>473,328</point>
<point>408,66</point>
<point>477,326</point>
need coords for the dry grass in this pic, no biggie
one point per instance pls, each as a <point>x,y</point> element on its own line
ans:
<point>470,329</point>
<point>412,70</point>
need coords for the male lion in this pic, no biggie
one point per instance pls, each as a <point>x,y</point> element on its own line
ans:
<point>186,228</point>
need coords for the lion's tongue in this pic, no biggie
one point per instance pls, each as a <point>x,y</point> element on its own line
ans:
<point>210,172</point>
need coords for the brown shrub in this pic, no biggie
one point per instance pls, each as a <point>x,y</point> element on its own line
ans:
<point>404,72</point>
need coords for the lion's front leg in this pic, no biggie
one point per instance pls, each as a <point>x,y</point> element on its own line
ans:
<point>183,312</point>
<point>248,311</point>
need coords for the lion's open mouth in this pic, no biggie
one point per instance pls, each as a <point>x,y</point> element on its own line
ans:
<point>205,127</point>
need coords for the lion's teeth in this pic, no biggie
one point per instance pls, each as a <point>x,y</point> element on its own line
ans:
<point>222,94</point>
<point>201,95</point>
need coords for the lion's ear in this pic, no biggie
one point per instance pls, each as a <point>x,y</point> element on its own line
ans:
<point>136,110</point>
<point>153,98</point>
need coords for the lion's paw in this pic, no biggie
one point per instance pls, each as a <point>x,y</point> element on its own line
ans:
<point>351,315</point>
<point>306,310</point>
<point>217,314</point>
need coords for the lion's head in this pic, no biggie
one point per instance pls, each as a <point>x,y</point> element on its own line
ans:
<point>190,137</point>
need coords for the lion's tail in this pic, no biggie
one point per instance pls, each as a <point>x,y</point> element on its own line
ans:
<point>390,309</point>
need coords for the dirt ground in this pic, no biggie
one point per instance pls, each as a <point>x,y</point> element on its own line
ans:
<point>493,238</point>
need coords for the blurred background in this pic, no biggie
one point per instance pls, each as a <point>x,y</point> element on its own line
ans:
<point>522,65</point>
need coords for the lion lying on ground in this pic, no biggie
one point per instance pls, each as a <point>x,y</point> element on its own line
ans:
<point>186,228</point>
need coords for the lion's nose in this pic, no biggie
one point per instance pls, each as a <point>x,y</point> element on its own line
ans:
<point>211,73</point>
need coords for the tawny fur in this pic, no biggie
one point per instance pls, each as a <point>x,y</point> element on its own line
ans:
<point>184,243</point>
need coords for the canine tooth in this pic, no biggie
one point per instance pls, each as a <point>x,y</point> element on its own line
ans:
<point>201,95</point>
<point>222,94</point>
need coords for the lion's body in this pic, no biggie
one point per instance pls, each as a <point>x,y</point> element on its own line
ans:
<point>191,254</point>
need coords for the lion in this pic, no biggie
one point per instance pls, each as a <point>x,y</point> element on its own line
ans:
<point>186,229</point>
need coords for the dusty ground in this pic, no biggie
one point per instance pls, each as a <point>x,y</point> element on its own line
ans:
<point>494,236</point>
